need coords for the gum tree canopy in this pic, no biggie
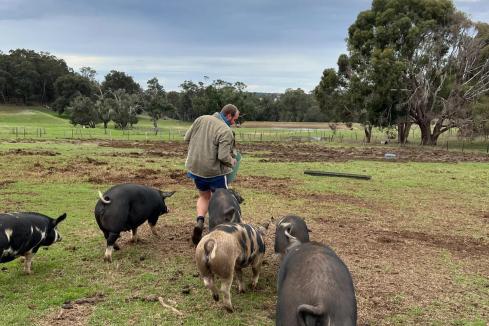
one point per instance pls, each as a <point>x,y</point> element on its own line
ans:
<point>421,61</point>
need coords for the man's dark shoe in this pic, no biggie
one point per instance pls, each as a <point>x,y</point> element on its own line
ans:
<point>198,229</point>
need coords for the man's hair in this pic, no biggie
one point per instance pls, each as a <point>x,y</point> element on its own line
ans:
<point>229,109</point>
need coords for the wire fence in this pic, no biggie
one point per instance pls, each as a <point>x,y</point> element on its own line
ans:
<point>448,140</point>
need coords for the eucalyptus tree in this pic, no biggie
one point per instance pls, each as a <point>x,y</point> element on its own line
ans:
<point>104,105</point>
<point>124,112</point>
<point>381,43</point>
<point>116,80</point>
<point>448,73</point>
<point>70,86</point>
<point>294,104</point>
<point>82,112</point>
<point>155,103</point>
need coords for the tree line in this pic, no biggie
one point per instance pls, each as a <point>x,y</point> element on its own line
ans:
<point>28,77</point>
<point>408,62</point>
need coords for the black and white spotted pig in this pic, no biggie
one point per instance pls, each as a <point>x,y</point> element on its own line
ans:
<point>314,287</point>
<point>22,233</point>
<point>125,207</point>
<point>229,248</point>
<point>290,225</point>
<point>224,207</point>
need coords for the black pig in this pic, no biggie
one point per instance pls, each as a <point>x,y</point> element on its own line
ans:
<point>125,207</point>
<point>314,288</point>
<point>293,226</point>
<point>224,207</point>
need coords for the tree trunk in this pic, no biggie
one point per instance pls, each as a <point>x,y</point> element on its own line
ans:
<point>368,133</point>
<point>43,92</point>
<point>426,136</point>
<point>403,129</point>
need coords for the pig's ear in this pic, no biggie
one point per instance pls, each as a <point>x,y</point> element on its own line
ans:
<point>60,219</point>
<point>166,194</point>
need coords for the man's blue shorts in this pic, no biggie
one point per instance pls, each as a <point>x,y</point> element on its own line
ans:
<point>206,184</point>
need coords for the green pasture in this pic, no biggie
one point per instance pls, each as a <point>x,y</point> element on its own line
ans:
<point>21,122</point>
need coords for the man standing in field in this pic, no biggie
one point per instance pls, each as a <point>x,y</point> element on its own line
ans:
<point>210,157</point>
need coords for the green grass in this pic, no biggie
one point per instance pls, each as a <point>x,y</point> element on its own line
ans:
<point>405,282</point>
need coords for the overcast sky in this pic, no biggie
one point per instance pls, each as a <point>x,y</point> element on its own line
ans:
<point>270,45</point>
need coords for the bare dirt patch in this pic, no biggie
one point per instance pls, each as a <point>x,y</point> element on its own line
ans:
<point>22,152</point>
<point>277,186</point>
<point>393,269</point>
<point>308,152</point>
<point>100,172</point>
<point>155,149</point>
<point>171,240</point>
<point>5,183</point>
<point>463,246</point>
<point>74,312</point>
<point>293,125</point>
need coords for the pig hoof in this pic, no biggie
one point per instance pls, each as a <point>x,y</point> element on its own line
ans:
<point>229,308</point>
<point>108,259</point>
<point>242,290</point>
<point>116,247</point>
<point>215,297</point>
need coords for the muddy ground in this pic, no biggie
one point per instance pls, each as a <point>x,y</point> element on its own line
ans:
<point>309,152</point>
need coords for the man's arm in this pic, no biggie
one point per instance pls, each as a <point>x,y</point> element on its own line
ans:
<point>188,134</point>
<point>224,151</point>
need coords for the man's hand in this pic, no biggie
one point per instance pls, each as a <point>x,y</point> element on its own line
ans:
<point>233,161</point>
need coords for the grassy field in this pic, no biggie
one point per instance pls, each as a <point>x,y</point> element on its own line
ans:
<point>415,237</point>
<point>18,122</point>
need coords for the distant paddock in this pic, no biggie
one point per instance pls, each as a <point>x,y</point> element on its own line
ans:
<point>292,125</point>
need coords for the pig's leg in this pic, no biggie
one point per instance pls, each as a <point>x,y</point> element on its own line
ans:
<point>256,267</point>
<point>106,235</point>
<point>209,283</point>
<point>152,224</point>
<point>134,237</point>
<point>28,262</point>
<point>110,246</point>
<point>239,276</point>
<point>226,292</point>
